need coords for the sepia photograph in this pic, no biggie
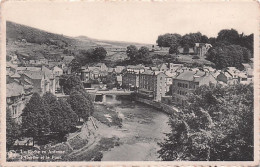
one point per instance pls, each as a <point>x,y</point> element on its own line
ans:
<point>129,83</point>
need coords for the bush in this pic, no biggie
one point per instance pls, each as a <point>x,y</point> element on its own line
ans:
<point>98,157</point>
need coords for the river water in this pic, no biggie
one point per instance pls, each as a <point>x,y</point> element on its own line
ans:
<point>143,127</point>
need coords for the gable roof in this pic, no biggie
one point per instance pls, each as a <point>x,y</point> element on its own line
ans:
<point>16,75</point>
<point>93,68</point>
<point>99,64</point>
<point>191,76</point>
<point>148,72</point>
<point>34,74</point>
<point>67,59</point>
<point>139,66</point>
<point>161,65</point>
<point>28,68</point>
<point>14,89</point>
<point>170,74</point>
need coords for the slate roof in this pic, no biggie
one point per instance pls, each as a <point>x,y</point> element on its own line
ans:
<point>215,73</point>
<point>190,76</point>
<point>28,69</point>
<point>67,59</point>
<point>148,72</point>
<point>99,64</point>
<point>14,89</point>
<point>110,69</point>
<point>94,68</point>
<point>16,75</point>
<point>139,66</point>
<point>246,65</point>
<point>154,68</point>
<point>170,74</point>
<point>34,74</point>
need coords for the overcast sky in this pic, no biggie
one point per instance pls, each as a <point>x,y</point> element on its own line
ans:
<point>134,22</point>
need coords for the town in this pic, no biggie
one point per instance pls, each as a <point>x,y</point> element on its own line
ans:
<point>64,99</point>
<point>167,83</point>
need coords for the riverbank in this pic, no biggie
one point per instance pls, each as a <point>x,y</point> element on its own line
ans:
<point>107,115</point>
<point>158,105</point>
<point>133,138</point>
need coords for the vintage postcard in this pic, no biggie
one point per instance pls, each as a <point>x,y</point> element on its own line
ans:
<point>110,83</point>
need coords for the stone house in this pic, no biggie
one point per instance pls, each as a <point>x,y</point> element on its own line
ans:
<point>152,85</point>
<point>201,49</point>
<point>188,81</point>
<point>15,100</point>
<point>163,67</point>
<point>42,81</point>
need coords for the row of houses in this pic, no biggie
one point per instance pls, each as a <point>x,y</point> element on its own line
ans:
<point>53,60</point>
<point>156,83</point>
<point>22,82</point>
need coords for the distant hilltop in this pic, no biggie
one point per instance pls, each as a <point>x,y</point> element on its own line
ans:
<point>16,31</point>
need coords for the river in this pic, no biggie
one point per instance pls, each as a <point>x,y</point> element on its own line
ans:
<point>143,127</point>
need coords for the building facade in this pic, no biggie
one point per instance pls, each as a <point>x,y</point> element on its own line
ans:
<point>152,85</point>
<point>15,100</point>
<point>188,81</point>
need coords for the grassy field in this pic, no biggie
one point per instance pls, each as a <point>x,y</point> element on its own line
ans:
<point>188,59</point>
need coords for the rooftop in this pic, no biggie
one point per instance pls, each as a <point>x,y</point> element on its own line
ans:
<point>34,74</point>
<point>191,76</point>
<point>14,89</point>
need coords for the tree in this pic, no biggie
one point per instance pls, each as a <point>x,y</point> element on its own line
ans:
<point>84,56</point>
<point>174,49</point>
<point>204,39</point>
<point>69,82</point>
<point>131,52</point>
<point>186,49</point>
<point>99,54</point>
<point>12,129</point>
<point>49,98</point>
<point>143,52</point>
<point>247,42</point>
<point>230,36</point>
<point>190,39</point>
<point>89,100</point>
<point>212,41</point>
<point>216,124</point>
<point>75,66</point>
<point>62,117</point>
<point>35,117</point>
<point>167,40</point>
<point>80,104</point>
<point>228,56</point>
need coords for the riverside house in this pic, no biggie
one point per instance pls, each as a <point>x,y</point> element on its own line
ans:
<point>152,85</point>
<point>188,81</point>
<point>130,78</point>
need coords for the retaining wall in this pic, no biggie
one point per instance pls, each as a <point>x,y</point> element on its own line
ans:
<point>158,105</point>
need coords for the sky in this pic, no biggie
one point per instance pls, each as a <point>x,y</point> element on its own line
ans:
<point>133,21</point>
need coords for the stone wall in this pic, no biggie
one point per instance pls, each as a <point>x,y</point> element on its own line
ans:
<point>158,105</point>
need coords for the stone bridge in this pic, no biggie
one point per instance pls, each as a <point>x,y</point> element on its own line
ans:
<point>101,95</point>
